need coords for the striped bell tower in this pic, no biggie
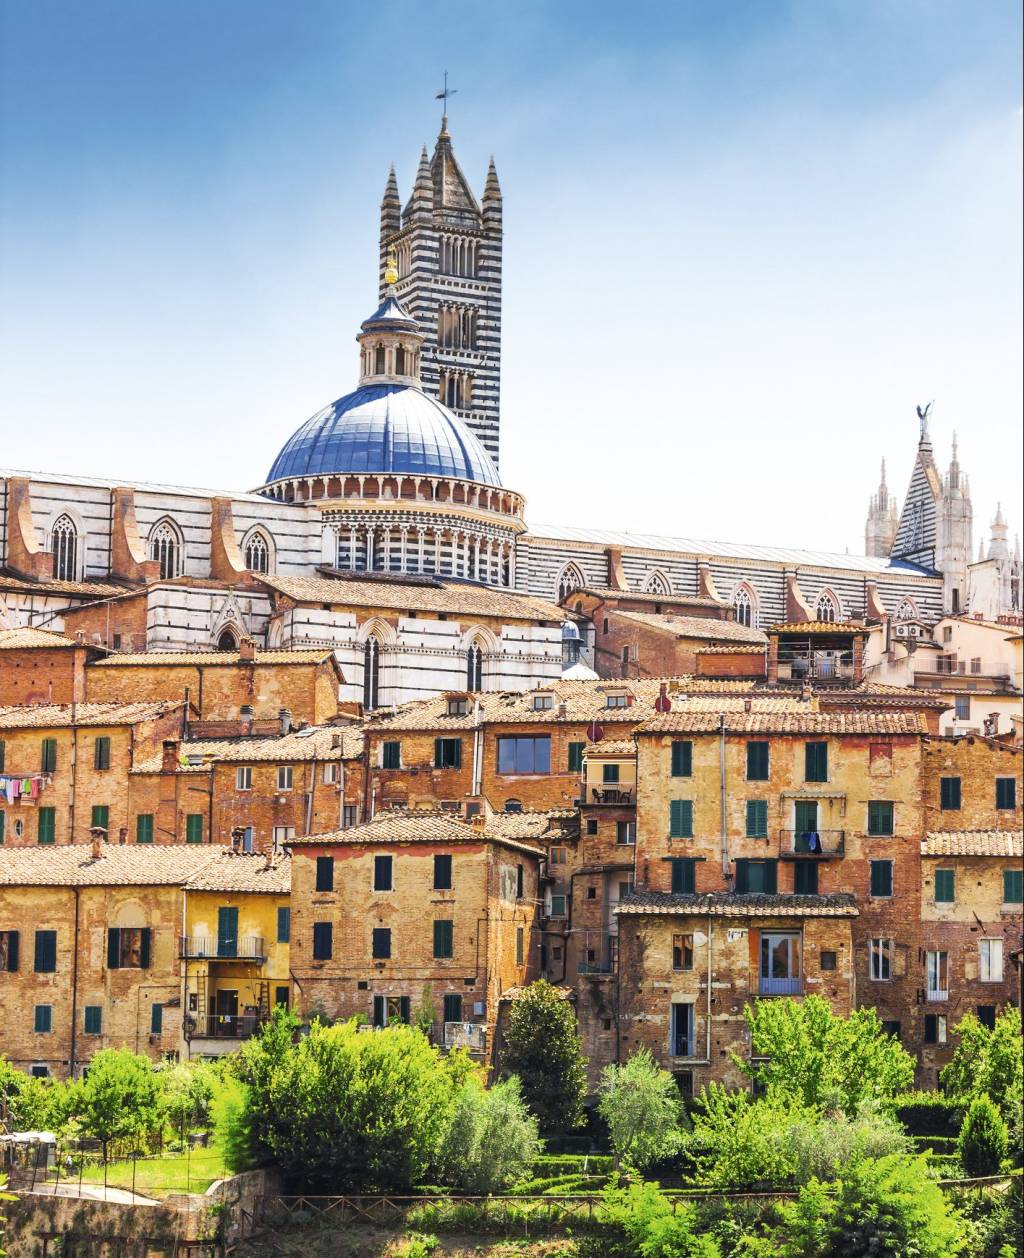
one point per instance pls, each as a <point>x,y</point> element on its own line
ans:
<point>448,251</point>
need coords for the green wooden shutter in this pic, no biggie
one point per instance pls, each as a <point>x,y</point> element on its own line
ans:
<point>3,820</point>
<point>48,760</point>
<point>156,1019</point>
<point>683,876</point>
<point>144,827</point>
<point>194,828</point>
<point>681,819</point>
<point>113,948</point>
<point>949,793</point>
<point>227,932</point>
<point>46,951</point>
<point>757,818</point>
<point>1013,886</point>
<point>880,817</point>
<point>805,878</point>
<point>945,886</point>
<point>442,939</point>
<point>145,947</point>
<point>757,761</point>
<point>741,877</point>
<point>93,1019</point>
<point>43,1019</point>
<point>575,765</point>
<point>378,1011</point>
<point>405,1009</point>
<point>816,762</point>
<point>46,823</point>
<point>284,924</point>
<point>771,881</point>
<point>1006,793</point>
<point>3,750</point>
<point>453,1007</point>
<point>13,939</point>
<point>881,878</point>
<point>101,752</point>
<point>101,816</point>
<point>682,759</point>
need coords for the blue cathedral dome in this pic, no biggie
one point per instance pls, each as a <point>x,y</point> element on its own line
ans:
<point>385,428</point>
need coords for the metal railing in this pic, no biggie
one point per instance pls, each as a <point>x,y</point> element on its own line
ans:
<point>813,842</point>
<point>815,666</point>
<point>206,948</point>
<point>470,1035</point>
<point>938,993</point>
<point>778,986</point>
<point>224,1026</point>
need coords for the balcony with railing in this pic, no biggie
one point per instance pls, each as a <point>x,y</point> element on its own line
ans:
<point>252,948</point>
<point>778,986</point>
<point>597,951</point>
<point>471,1036</point>
<point>222,1026</point>
<point>822,666</point>
<point>825,844</point>
<point>937,993</point>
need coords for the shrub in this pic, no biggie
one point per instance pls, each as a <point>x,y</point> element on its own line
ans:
<point>542,1047</point>
<point>640,1103</point>
<point>492,1141</point>
<point>119,1098</point>
<point>817,1058</point>
<point>880,1207</point>
<point>989,1061</point>
<point>640,1220</point>
<point>928,1113</point>
<point>984,1139</point>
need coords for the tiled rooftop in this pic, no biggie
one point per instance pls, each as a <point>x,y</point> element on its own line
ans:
<point>414,826</point>
<point>973,843</point>
<point>93,589</point>
<point>696,627</point>
<point>728,904</point>
<point>27,639</point>
<point>122,866</point>
<point>230,871</point>
<point>611,747</point>
<point>58,715</point>
<point>811,627</point>
<point>314,743</point>
<point>806,722</point>
<point>736,648</point>
<point>534,825</point>
<point>434,595</point>
<point>211,658</point>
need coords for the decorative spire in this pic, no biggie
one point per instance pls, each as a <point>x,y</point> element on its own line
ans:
<point>922,414</point>
<point>492,189</point>
<point>882,482</point>
<point>391,205</point>
<point>421,203</point>
<point>391,268</point>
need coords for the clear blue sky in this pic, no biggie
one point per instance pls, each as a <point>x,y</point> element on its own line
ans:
<point>743,240</point>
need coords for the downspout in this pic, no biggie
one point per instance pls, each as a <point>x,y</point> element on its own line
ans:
<point>341,794</point>
<point>707,1052</point>
<point>721,779</point>
<point>74,990</point>
<point>478,751</point>
<point>74,764</point>
<point>309,796</point>
<point>184,970</point>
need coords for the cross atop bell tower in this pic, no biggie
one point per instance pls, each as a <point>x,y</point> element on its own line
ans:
<point>448,247</point>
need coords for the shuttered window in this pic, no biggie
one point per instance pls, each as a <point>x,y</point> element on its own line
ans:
<point>881,878</point>
<point>881,819</point>
<point>325,873</point>
<point>949,794</point>
<point>447,753</point>
<point>1013,886</point>
<point>684,875</point>
<point>682,759</point>
<point>805,878</point>
<point>757,818</point>
<point>754,877</point>
<point>323,941</point>
<point>101,752</point>
<point>575,762</point>
<point>144,827</point>
<point>45,952</point>
<point>156,1019</point>
<point>284,924</point>
<point>93,1020</point>
<point>194,827</point>
<point>43,1019</point>
<point>443,939</point>
<point>1006,793</point>
<point>680,821</point>
<point>391,755</point>
<point>945,886</point>
<point>48,760</point>
<point>757,762</point>
<point>442,873</point>
<point>46,825</point>
<point>381,942</point>
<point>100,817</point>
<point>816,762</point>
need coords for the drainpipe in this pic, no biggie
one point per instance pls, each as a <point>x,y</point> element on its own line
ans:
<point>721,779</point>
<point>74,989</point>
<point>184,972</point>
<point>341,794</point>
<point>477,783</point>
<point>74,766</point>
<point>309,797</point>
<point>707,1052</point>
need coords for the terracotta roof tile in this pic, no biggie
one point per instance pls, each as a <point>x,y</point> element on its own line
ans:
<point>431,594</point>
<point>27,639</point>
<point>230,871</point>
<point>534,825</point>
<point>75,589</point>
<point>611,747</point>
<point>728,904</point>
<point>314,743</point>
<point>811,627</point>
<point>58,715</point>
<point>211,658</point>
<point>973,843</point>
<point>645,596</point>
<point>127,866</point>
<point>414,826</point>
<point>758,722</point>
<point>737,648</point>
<point>697,627</point>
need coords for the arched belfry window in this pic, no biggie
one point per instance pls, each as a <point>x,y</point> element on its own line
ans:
<point>371,673</point>
<point>379,363</point>
<point>743,604</point>
<point>400,361</point>
<point>474,668</point>
<point>227,640</point>
<point>64,544</point>
<point>570,579</point>
<point>827,608</point>
<point>165,548</point>
<point>257,553</point>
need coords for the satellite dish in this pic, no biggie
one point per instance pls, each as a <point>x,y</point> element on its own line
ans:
<point>595,732</point>
<point>663,704</point>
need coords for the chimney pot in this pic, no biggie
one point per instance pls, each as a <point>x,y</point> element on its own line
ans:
<point>284,715</point>
<point>247,650</point>
<point>170,756</point>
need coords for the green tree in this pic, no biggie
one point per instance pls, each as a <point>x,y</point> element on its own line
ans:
<point>817,1058</point>
<point>984,1140</point>
<point>990,1062</point>
<point>244,1114</point>
<point>493,1139</point>
<point>349,1110</point>
<point>879,1208</point>
<point>542,1048</point>
<point>187,1089</point>
<point>640,1103</point>
<point>119,1098</point>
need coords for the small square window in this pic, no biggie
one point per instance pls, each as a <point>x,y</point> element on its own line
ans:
<point>619,700</point>
<point>243,777</point>
<point>543,703</point>
<point>458,707</point>
<point>285,777</point>
<point>591,825</point>
<point>557,906</point>
<point>391,755</point>
<point>1006,793</point>
<point>447,753</point>
<point>591,893</point>
<point>828,960</point>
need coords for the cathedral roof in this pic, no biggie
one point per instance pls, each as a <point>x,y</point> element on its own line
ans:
<point>385,428</point>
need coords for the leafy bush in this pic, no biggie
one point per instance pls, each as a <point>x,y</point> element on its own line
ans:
<point>640,1103</point>
<point>984,1139</point>
<point>929,1114</point>
<point>542,1048</point>
<point>994,1219</point>
<point>639,1220</point>
<point>989,1062</point>
<point>119,1098</point>
<point>817,1058</point>
<point>187,1090</point>
<point>880,1208</point>
<point>492,1140</point>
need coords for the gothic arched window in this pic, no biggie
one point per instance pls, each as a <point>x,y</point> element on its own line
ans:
<point>907,610</point>
<point>64,544</point>
<point>227,641</point>
<point>827,607</point>
<point>379,364</point>
<point>657,583</point>
<point>570,579</point>
<point>400,361</point>
<point>744,606</point>
<point>371,673</point>
<point>257,553</point>
<point>165,548</point>
<point>474,668</point>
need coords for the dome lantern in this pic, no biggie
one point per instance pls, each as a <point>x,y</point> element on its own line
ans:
<point>390,339</point>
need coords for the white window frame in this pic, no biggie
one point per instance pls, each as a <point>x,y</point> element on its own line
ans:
<point>881,951</point>
<point>282,835</point>
<point>285,777</point>
<point>243,777</point>
<point>990,952</point>
<point>331,773</point>
<point>937,969</point>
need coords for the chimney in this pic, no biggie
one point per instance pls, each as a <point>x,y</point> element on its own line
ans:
<point>247,651</point>
<point>170,757</point>
<point>284,715</point>
<point>336,740</point>
<point>748,705</point>
<point>237,835</point>
<point>99,837</point>
<point>563,708</point>
<point>122,835</point>
<point>479,821</point>
<point>245,716</point>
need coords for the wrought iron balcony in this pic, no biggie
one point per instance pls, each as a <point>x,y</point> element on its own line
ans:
<point>222,1026</point>
<point>824,843</point>
<point>820,666</point>
<point>938,993</point>
<point>778,986</point>
<point>205,948</point>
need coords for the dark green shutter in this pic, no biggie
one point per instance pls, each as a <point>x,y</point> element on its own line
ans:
<point>442,939</point>
<point>325,873</point>
<point>453,1007</point>
<point>13,939</point>
<point>101,816</point>
<point>805,878</point>
<point>378,1011</point>
<point>682,759</point>
<point>284,924</point>
<point>949,793</point>
<point>771,884</point>
<point>156,1019</point>
<point>93,1020</point>
<point>881,878</point>
<point>392,755</point>
<point>741,877</point>
<point>144,827</point>
<point>757,762</point>
<point>3,821</point>
<point>49,755</point>
<point>1006,793</point>
<point>442,873</point>
<point>816,762</point>
<point>43,1019</point>
<point>46,951</point>
<point>880,817</point>
<point>575,765</point>
<point>405,1009</point>
<point>113,948</point>
<point>681,819</point>
<point>945,886</point>
<point>683,876</point>
<point>1013,886</point>
<point>227,932</point>
<point>757,818</point>
<point>47,825</point>
<point>145,947</point>
<point>3,751</point>
<point>101,752</point>
<point>194,828</point>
